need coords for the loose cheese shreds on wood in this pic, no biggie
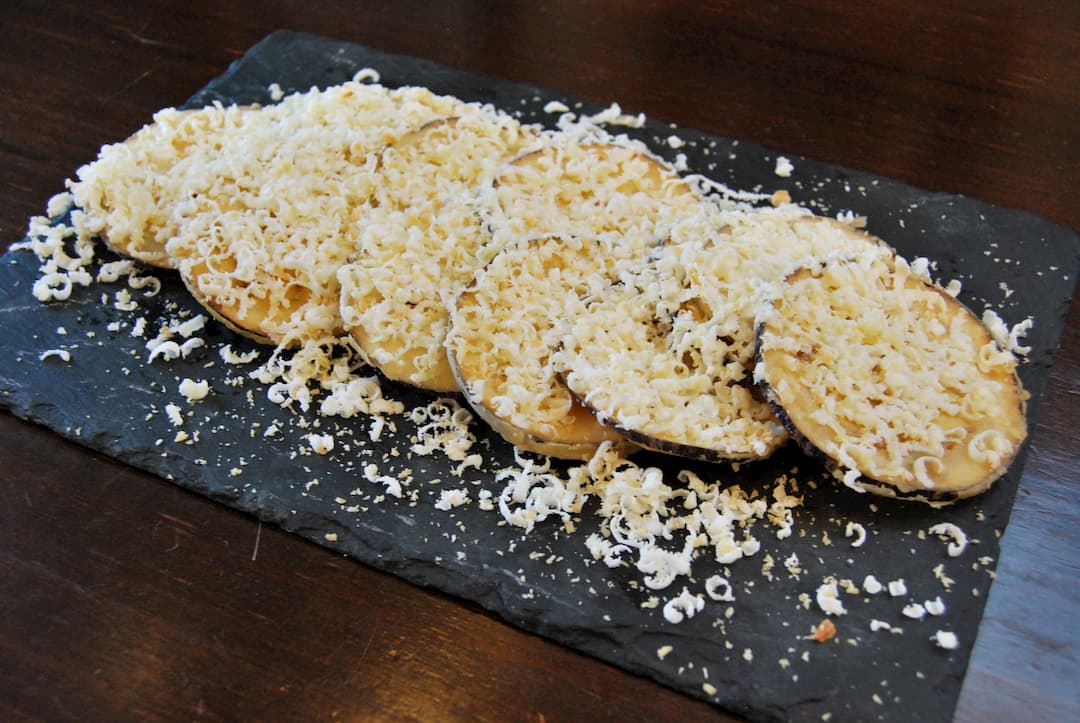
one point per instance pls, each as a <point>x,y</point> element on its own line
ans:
<point>260,245</point>
<point>422,242</point>
<point>883,373</point>
<point>667,357</point>
<point>504,329</point>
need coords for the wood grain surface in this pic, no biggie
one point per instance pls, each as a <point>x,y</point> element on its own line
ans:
<point>123,597</point>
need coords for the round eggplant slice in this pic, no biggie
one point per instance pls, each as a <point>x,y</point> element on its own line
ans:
<point>666,357</point>
<point>421,242</point>
<point>889,380</point>
<point>503,330</point>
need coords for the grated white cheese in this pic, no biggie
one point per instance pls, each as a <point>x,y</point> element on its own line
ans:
<point>194,391</point>
<point>859,532</point>
<point>935,607</point>
<point>915,611</point>
<point>320,443</point>
<point>828,599</point>
<point>449,499</point>
<point>231,357</point>
<point>946,640</point>
<point>715,583</point>
<point>61,354</point>
<point>682,606</point>
<point>958,540</point>
<point>174,414</point>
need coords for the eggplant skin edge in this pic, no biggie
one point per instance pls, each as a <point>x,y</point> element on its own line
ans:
<point>674,449</point>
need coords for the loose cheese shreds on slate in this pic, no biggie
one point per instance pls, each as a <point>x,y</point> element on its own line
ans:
<point>504,328</point>
<point>422,242</point>
<point>667,356</point>
<point>887,375</point>
<point>958,541</point>
<point>666,527</point>
<point>592,190</point>
<point>194,391</point>
<point>129,193</point>
<point>261,245</point>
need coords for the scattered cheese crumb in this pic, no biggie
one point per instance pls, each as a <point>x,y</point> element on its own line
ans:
<point>935,607</point>
<point>713,583</point>
<point>62,354</point>
<point>174,414</point>
<point>194,391</point>
<point>828,599</point>
<point>856,529</point>
<point>946,640</point>
<point>321,443</point>
<point>682,606</point>
<point>949,530</point>
<point>449,499</point>
<point>915,611</point>
<point>784,167</point>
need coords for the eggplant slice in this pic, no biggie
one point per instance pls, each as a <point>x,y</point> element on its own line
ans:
<point>421,242</point>
<point>884,375</point>
<point>503,330</point>
<point>666,356</point>
<point>129,191</point>
<point>261,247</point>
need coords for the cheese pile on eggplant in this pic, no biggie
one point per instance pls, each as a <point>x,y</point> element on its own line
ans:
<point>574,287</point>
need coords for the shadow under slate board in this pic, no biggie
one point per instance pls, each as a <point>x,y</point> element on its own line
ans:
<point>752,656</point>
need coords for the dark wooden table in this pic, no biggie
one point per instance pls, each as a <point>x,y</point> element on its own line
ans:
<point>122,596</point>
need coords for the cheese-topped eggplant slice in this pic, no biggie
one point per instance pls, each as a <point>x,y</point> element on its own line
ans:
<point>261,247</point>
<point>667,356</point>
<point>503,330</point>
<point>591,190</point>
<point>129,191</point>
<point>422,242</point>
<point>895,383</point>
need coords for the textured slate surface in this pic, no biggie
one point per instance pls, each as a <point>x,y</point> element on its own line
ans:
<point>108,398</point>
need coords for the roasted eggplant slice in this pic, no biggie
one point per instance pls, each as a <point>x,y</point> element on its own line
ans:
<point>666,357</point>
<point>503,330</point>
<point>128,193</point>
<point>421,243</point>
<point>895,384</point>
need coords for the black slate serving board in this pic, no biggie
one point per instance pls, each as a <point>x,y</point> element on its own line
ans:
<point>108,398</point>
